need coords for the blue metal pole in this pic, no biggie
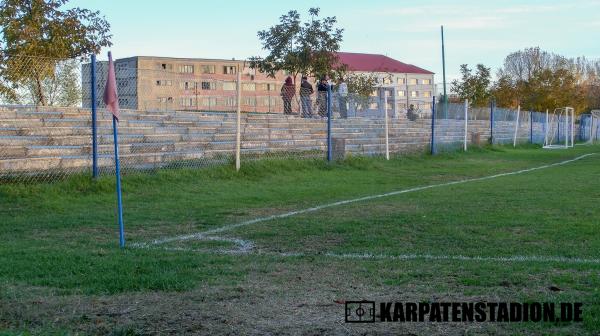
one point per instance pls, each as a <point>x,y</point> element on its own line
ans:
<point>329,107</point>
<point>492,122</point>
<point>94,118</point>
<point>530,127</point>
<point>433,127</point>
<point>118,177</point>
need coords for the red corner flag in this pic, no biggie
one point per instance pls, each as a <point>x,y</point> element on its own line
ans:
<point>111,99</point>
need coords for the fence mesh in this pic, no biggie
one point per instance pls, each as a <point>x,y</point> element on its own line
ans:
<point>589,128</point>
<point>181,114</point>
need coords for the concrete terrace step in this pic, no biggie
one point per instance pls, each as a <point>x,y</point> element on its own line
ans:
<point>34,140</point>
<point>71,131</point>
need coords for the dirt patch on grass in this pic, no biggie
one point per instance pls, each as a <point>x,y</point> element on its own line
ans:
<point>292,297</point>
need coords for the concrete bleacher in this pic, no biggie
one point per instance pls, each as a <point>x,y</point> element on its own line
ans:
<point>60,139</point>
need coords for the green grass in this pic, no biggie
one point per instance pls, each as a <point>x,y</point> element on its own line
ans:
<point>60,239</point>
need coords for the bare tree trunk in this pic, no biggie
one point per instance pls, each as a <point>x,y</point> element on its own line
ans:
<point>40,98</point>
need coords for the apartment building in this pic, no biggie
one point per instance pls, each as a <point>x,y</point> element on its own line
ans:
<point>165,83</point>
<point>405,84</point>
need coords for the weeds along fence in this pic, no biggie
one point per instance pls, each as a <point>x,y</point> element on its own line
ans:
<point>184,113</point>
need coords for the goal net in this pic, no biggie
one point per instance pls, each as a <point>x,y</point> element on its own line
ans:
<point>560,128</point>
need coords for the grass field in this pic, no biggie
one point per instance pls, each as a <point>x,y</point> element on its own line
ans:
<point>532,236</point>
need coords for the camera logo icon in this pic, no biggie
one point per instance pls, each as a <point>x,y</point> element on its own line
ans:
<point>360,311</point>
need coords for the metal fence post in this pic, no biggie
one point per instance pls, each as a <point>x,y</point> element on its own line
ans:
<point>329,108</point>
<point>238,133</point>
<point>492,122</point>
<point>387,135</point>
<point>466,124</point>
<point>517,126</point>
<point>433,127</point>
<point>94,117</point>
<point>558,128</point>
<point>546,129</point>
<point>531,127</point>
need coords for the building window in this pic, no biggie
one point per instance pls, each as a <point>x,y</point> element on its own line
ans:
<point>374,106</point>
<point>230,101</point>
<point>269,87</point>
<point>188,101</point>
<point>186,69</point>
<point>229,70</point>
<point>209,86</point>
<point>387,80</point>
<point>165,99</point>
<point>401,80</point>
<point>250,101</point>
<point>269,101</point>
<point>414,94</point>
<point>374,93</point>
<point>163,82</point>
<point>412,81</point>
<point>249,87</point>
<point>426,93</point>
<point>401,93</point>
<point>187,85</point>
<point>208,69</point>
<point>229,86</point>
<point>426,81</point>
<point>166,66</point>
<point>209,101</point>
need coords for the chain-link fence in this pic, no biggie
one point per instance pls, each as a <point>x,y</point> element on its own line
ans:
<point>460,125</point>
<point>178,113</point>
<point>589,127</point>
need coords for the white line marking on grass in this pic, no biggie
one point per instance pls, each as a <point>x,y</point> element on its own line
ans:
<point>574,260</point>
<point>368,256</point>
<point>204,234</point>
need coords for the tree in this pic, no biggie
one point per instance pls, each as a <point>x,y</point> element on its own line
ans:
<point>300,48</point>
<point>62,89</point>
<point>474,87</point>
<point>360,86</point>
<point>504,92</point>
<point>551,88</point>
<point>539,80</point>
<point>37,37</point>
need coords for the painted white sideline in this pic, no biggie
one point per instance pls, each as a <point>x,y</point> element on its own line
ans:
<point>369,256</point>
<point>514,258</point>
<point>246,245</point>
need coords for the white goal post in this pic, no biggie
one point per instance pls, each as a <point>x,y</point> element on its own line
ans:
<point>560,128</point>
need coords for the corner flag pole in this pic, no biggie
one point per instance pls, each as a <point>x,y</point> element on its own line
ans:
<point>111,99</point>
<point>118,176</point>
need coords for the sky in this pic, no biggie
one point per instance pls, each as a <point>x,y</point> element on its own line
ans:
<point>409,31</point>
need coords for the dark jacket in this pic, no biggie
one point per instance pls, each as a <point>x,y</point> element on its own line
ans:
<point>288,90</point>
<point>306,89</point>
<point>322,87</point>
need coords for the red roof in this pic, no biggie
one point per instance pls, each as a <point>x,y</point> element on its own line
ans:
<point>377,63</point>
